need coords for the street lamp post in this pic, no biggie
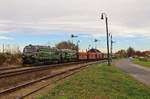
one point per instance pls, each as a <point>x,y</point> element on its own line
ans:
<point>106,20</point>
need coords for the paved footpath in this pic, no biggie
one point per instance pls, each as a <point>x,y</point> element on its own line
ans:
<point>138,72</point>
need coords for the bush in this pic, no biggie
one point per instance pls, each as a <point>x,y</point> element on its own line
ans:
<point>2,58</point>
<point>10,59</point>
<point>144,59</point>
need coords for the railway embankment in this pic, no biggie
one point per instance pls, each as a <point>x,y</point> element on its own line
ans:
<point>17,85</point>
<point>98,82</point>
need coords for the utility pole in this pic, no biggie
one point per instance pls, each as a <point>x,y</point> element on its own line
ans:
<point>107,34</point>
<point>78,49</point>
<point>111,46</point>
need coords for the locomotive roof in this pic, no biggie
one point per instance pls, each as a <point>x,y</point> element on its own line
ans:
<point>38,46</point>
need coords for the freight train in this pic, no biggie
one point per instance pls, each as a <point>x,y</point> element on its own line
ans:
<point>35,54</point>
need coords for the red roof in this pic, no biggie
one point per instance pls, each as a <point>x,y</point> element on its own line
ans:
<point>146,52</point>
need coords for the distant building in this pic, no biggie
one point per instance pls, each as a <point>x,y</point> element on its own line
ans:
<point>146,53</point>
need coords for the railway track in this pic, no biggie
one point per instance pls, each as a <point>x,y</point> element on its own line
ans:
<point>17,71</point>
<point>2,69</point>
<point>8,68</point>
<point>5,69</point>
<point>22,86</point>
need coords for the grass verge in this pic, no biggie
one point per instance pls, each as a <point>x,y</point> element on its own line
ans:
<point>99,82</point>
<point>142,63</point>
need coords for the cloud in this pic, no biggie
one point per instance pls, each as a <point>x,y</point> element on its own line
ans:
<point>127,18</point>
<point>5,38</point>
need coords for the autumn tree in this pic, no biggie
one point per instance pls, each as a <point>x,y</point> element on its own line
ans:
<point>130,52</point>
<point>66,45</point>
<point>121,53</point>
<point>138,53</point>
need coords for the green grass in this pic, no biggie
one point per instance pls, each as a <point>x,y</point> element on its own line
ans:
<point>142,63</point>
<point>99,82</point>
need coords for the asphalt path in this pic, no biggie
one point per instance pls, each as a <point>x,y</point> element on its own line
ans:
<point>140,73</point>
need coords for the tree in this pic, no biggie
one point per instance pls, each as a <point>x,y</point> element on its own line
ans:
<point>138,53</point>
<point>130,52</point>
<point>121,53</point>
<point>66,45</point>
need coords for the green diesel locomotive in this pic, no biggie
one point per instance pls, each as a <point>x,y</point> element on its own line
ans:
<point>35,54</point>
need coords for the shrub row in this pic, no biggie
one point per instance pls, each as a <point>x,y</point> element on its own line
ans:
<point>147,59</point>
<point>10,59</point>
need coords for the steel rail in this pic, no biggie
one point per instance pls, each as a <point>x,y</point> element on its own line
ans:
<point>11,89</point>
<point>33,69</point>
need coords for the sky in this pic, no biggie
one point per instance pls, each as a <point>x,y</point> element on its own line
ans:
<point>47,22</point>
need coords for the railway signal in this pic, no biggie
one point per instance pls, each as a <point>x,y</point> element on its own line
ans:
<point>73,36</point>
<point>96,40</point>
<point>89,46</point>
<point>104,16</point>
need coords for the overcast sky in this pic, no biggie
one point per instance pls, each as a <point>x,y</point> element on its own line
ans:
<point>128,20</point>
